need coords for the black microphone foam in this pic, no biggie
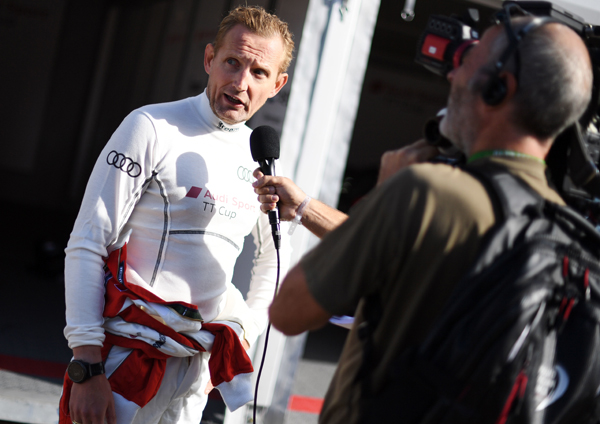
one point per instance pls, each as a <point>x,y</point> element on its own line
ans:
<point>264,143</point>
<point>264,146</point>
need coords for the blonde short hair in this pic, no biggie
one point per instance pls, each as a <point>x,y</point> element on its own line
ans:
<point>262,23</point>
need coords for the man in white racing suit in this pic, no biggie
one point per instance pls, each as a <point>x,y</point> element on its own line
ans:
<point>171,193</point>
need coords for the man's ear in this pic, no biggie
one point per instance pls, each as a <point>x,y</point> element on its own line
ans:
<point>279,83</point>
<point>497,89</point>
<point>511,84</point>
<point>209,55</point>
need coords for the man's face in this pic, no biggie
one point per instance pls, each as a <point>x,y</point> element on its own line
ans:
<point>243,74</point>
<point>462,120</point>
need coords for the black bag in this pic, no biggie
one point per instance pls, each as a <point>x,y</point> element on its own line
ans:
<point>519,339</point>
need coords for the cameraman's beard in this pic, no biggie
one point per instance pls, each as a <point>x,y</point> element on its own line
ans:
<point>459,124</point>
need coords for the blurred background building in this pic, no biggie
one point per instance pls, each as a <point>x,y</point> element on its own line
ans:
<point>72,70</point>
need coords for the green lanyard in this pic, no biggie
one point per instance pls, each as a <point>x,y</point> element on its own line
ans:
<point>504,153</point>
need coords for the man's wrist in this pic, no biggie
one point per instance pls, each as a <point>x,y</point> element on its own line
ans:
<point>298,217</point>
<point>88,353</point>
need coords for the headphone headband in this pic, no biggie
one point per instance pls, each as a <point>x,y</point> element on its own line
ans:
<point>495,90</point>
<point>504,17</point>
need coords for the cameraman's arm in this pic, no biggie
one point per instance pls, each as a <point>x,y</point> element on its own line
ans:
<point>320,219</point>
<point>317,217</point>
<point>294,309</point>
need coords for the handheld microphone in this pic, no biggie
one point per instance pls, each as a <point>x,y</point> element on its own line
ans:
<point>264,146</point>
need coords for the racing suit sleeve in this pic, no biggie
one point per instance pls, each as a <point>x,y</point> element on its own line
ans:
<point>121,174</point>
<point>252,313</point>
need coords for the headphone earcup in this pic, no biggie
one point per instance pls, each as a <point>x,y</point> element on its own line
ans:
<point>494,91</point>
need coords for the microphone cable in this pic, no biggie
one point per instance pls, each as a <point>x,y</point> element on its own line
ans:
<point>264,354</point>
<point>264,147</point>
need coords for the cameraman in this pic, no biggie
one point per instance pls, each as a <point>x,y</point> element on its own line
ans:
<point>415,236</point>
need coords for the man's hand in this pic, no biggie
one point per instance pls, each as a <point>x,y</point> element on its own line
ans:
<point>394,160</point>
<point>317,217</point>
<point>92,402</point>
<point>272,189</point>
<point>209,385</point>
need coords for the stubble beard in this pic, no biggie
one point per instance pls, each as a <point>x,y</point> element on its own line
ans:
<point>222,115</point>
<point>458,125</point>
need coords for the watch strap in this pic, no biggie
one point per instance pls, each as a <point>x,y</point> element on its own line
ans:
<point>96,369</point>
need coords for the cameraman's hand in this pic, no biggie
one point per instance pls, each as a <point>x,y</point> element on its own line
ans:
<point>394,160</point>
<point>271,189</point>
<point>317,217</point>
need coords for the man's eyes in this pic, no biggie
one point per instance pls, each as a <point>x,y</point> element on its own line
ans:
<point>257,71</point>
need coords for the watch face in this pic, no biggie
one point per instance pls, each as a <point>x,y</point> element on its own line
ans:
<point>76,372</point>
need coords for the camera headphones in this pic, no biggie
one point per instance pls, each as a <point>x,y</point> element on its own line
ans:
<point>495,89</point>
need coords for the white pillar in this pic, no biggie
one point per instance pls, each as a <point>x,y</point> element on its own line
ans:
<point>332,60</point>
<point>327,82</point>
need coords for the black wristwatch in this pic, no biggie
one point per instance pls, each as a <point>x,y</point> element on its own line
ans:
<point>79,371</point>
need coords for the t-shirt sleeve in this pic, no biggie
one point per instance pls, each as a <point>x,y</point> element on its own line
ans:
<point>355,259</point>
<point>420,227</point>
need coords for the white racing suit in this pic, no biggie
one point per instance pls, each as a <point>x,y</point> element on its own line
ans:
<point>176,182</point>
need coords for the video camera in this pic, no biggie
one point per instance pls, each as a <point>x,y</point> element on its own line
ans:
<point>574,158</point>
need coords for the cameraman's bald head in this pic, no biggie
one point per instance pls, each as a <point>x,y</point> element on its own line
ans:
<point>554,77</point>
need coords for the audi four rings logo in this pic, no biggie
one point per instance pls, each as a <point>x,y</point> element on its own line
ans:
<point>125,164</point>
<point>245,174</point>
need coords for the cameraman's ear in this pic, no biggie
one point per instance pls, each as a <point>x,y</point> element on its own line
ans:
<point>495,89</point>
<point>511,85</point>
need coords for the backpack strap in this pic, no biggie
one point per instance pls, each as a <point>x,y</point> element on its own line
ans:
<point>510,195</point>
<point>576,219</point>
<point>372,315</point>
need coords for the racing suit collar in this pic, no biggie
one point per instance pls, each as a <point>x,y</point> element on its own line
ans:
<point>214,120</point>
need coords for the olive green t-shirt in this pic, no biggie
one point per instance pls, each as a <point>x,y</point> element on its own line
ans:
<point>410,241</point>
